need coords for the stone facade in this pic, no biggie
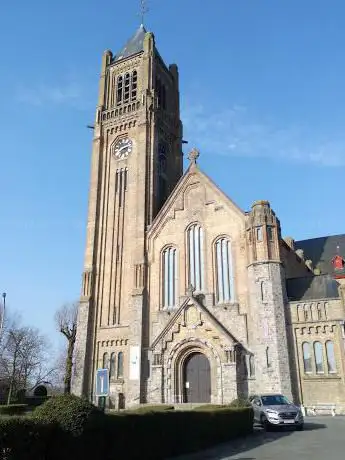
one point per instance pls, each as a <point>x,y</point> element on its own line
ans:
<point>174,268</point>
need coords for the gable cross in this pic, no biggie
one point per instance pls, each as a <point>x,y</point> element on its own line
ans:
<point>193,156</point>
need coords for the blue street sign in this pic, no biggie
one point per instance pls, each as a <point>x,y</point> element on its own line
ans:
<point>102,382</point>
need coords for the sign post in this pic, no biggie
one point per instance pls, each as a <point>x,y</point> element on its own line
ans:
<point>102,386</point>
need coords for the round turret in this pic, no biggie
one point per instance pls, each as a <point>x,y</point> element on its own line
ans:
<point>263,232</point>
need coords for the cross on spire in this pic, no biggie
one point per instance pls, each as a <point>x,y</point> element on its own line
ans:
<point>143,10</point>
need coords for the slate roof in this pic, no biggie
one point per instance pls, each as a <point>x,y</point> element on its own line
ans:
<point>322,250</point>
<point>133,46</point>
<point>312,288</point>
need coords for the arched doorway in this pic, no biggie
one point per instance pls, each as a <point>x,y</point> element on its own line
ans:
<point>197,379</point>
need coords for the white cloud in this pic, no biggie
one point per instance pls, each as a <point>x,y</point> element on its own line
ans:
<point>71,94</point>
<point>236,132</point>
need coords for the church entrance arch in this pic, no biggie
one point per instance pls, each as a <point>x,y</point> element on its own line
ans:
<point>196,378</point>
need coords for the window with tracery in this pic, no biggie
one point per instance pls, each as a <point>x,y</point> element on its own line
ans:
<point>127,87</point>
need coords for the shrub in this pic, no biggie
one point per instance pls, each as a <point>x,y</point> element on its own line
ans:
<point>175,432</point>
<point>123,436</point>
<point>147,408</point>
<point>27,438</point>
<point>13,409</point>
<point>210,407</point>
<point>70,412</point>
<point>240,402</point>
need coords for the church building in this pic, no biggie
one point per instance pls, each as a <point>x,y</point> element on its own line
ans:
<point>186,298</point>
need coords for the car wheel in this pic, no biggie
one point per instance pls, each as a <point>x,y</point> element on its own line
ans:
<point>264,423</point>
<point>300,427</point>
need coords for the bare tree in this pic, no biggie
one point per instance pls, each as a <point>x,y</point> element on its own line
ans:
<point>66,320</point>
<point>24,358</point>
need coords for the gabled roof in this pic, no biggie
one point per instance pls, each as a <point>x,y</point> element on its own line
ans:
<point>191,170</point>
<point>213,320</point>
<point>322,250</point>
<point>133,46</point>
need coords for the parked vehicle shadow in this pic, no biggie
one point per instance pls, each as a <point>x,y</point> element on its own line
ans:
<point>239,447</point>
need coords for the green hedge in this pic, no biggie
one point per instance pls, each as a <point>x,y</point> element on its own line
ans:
<point>147,408</point>
<point>13,409</point>
<point>130,436</point>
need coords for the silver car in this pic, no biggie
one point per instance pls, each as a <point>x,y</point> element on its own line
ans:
<point>276,410</point>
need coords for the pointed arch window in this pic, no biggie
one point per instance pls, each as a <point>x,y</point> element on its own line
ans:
<point>112,366</point>
<point>224,271</point>
<point>332,368</point>
<point>119,90</point>
<point>307,357</point>
<point>169,277</point>
<point>318,353</point>
<point>195,236</point>
<point>120,365</point>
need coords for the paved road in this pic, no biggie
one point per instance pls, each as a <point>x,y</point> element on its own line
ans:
<point>322,439</point>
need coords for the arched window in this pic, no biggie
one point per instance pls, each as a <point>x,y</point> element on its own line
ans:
<point>306,357</point>
<point>196,257</point>
<point>127,87</point>
<point>112,366</point>
<point>134,86</point>
<point>119,90</point>
<point>224,270</point>
<point>105,363</point>
<point>251,366</point>
<point>120,365</point>
<point>306,313</point>
<point>318,353</point>
<point>331,364</point>
<point>169,277</point>
<point>319,311</point>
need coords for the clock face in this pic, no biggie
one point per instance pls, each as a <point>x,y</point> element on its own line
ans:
<point>123,148</point>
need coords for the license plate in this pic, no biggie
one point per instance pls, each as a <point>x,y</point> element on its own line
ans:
<point>289,421</point>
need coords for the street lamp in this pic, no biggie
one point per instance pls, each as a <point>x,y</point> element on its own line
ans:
<point>3,312</point>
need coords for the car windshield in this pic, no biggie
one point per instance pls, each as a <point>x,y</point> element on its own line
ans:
<point>274,400</point>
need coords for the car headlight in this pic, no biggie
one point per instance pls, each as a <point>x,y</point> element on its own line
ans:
<point>272,413</point>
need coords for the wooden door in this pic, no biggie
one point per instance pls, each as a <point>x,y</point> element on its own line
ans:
<point>197,379</point>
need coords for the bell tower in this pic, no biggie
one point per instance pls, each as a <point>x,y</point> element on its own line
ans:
<point>136,163</point>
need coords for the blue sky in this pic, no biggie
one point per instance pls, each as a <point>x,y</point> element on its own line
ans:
<point>262,95</point>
